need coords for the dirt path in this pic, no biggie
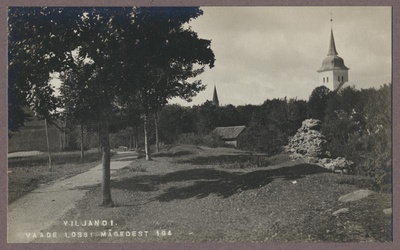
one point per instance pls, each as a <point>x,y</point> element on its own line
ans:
<point>38,210</point>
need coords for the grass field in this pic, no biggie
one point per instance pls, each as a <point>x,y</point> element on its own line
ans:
<point>29,172</point>
<point>199,194</point>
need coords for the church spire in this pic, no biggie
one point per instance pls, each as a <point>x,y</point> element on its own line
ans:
<point>332,48</point>
<point>333,72</point>
<point>215,97</point>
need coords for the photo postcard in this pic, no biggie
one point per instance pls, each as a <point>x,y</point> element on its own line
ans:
<point>210,124</point>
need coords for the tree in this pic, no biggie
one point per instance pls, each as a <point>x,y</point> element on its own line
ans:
<point>175,120</point>
<point>343,119</point>
<point>358,126</point>
<point>266,138</point>
<point>76,97</point>
<point>206,117</point>
<point>99,33</point>
<point>123,46</point>
<point>317,102</point>
<point>297,113</point>
<point>43,40</point>
<point>228,116</point>
<point>166,56</point>
<point>272,123</point>
<point>246,112</point>
<point>33,53</point>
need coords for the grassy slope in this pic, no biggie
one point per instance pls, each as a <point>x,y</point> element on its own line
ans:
<point>185,190</point>
<point>28,173</point>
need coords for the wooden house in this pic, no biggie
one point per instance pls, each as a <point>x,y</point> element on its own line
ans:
<point>230,135</point>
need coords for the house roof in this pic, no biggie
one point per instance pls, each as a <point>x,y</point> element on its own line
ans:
<point>229,132</point>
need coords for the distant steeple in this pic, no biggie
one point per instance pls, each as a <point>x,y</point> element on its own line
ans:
<point>215,100</point>
<point>332,47</point>
<point>333,71</point>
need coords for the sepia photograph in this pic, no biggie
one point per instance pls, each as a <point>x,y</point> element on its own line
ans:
<point>228,124</point>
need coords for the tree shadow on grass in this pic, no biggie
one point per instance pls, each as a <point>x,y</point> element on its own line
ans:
<point>172,154</point>
<point>205,182</point>
<point>224,159</point>
<point>130,158</point>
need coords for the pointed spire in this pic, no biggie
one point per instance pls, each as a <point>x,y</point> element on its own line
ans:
<point>332,48</point>
<point>215,97</point>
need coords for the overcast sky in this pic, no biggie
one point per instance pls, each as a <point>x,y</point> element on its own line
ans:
<point>272,52</point>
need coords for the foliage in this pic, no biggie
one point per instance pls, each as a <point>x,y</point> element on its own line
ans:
<point>77,94</point>
<point>228,116</point>
<point>263,138</point>
<point>297,113</point>
<point>343,119</point>
<point>358,126</point>
<point>108,57</point>
<point>205,117</point>
<point>272,124</point>
<point>164,58</point>
<point>34,51</point>
<point>317,102</point>
<point>121,138</point>
<point>269,124</point>
<point>173,121</point>
<point>91,139</point>
<point>165,66</point>
<point>246,113</point>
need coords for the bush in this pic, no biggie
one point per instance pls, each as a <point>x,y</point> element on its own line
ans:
<point>268,139</point>
<point>372,157</point>
<point>358,126</point>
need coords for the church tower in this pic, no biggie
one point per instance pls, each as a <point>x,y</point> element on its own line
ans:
<point>333,72</point>
<point>215,100</point>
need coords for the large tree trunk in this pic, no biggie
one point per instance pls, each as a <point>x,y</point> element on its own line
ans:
<point>106,158</point>
<point>48,144</point>
<point>146,142</point>
<point>156,125</point>
<point>82,144</point>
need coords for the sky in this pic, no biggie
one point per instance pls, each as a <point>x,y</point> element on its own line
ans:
<point>274,52</point>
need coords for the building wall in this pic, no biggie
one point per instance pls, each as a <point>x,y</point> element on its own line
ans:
<point>333,78</point>
<point>234,143</point>
<point>33,138</point>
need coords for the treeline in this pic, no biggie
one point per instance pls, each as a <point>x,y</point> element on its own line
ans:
<point>357,125</point>
<point>268,125</point>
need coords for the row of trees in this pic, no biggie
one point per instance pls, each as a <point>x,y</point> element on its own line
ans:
<point>356,123</point>
<point>113,63</point>
<point>268,125</point>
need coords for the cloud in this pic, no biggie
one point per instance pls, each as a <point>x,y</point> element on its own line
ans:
<point>273,52</point>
